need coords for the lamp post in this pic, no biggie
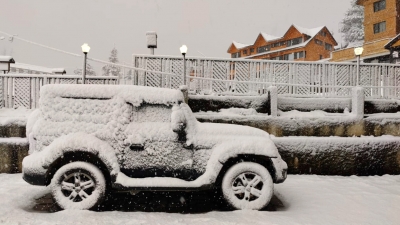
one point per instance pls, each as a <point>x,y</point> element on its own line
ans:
<point>85,50</point>
<point>358,52</point>
<point>184,51</point>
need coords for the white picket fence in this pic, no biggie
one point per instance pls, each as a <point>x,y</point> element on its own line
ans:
<point>250,77</point>
<point>22,90</point>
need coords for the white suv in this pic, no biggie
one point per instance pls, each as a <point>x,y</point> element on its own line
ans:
<point>89,139</point>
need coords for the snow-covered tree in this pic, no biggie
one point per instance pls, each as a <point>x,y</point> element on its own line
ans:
<point>352,25</point>
<point>109,69</point>
<point>89,71</point>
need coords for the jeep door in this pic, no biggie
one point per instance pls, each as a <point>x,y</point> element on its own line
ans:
<point>154,149</point>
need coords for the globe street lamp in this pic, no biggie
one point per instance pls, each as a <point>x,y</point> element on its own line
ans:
<point>85,50</point>
<point>358,52</point>
<point>184,51</point>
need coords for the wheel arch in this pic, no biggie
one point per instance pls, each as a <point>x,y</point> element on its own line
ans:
<point>75,156</point>
<point>263,160</point>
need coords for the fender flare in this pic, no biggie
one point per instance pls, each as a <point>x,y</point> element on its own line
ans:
<point>80,142</point>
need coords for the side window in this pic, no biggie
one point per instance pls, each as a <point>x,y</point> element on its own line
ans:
<point>152,113</point>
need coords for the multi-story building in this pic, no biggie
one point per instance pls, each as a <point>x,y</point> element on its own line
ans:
<point>381,27</point>
<point>297,44</point>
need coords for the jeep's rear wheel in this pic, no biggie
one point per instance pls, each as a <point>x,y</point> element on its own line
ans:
<point>247,185</point>
<point>78,185</point>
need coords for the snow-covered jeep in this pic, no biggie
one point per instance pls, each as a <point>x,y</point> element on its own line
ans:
<point>89,139</point>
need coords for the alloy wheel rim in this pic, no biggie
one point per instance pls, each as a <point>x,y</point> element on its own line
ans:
<point>77,186</point>
<point>247,186</point>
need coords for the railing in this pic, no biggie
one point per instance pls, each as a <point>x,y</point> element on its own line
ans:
<point>250,77</point>
<point>23,89</point>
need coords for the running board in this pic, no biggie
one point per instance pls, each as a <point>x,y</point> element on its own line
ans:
<point>125,183</point>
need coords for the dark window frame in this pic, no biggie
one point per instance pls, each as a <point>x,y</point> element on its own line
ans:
<point>379,27</point>
<point>379,5</point>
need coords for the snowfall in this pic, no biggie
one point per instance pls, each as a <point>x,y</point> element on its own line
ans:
<point>301,199</point>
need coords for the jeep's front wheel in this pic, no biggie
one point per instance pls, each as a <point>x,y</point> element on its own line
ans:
<point>78,185</point>
<point>247,185</point>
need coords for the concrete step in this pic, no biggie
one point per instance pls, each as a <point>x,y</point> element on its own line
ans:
<point>12,152</point>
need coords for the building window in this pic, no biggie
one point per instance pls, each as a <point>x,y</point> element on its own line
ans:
<point>295,41</point>
<point>380,27</point>
<point>328,47</point>
<point>278,44</point>
<point>236,55</point>
<point>323,33</point>
<point>298,55</point>
<point>320,57</point>
<point>289,57</point>
<point>378,6</point>
<point>318,42</point>
<point>251,50</point>
<point>263,48</point>
<point>244,52</point>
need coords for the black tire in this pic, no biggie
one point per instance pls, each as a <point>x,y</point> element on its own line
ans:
<point>78,185</point>
<point>247,185</point>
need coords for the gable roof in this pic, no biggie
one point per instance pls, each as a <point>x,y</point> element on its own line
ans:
<point>310,32</point>
<point>237,45</point>
<point>269,37</point>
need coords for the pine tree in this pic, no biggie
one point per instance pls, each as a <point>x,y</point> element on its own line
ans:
<point>352,25</point>
<point>89,71</point>
<point>109,69</point>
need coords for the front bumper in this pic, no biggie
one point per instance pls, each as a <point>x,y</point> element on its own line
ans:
<point>33,171</point>
<point>34,179</point>
<point>280,170</point>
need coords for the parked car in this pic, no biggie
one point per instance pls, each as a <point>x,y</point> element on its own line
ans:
<point>86,140</point>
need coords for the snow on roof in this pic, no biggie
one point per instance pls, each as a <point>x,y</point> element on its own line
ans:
<point>36,68</point>
<point>269,37</point>
<point>58,70</point>
<point>6,58</point>
<point>310,32</point>
<point>135,95</point>
<point>239,45</point>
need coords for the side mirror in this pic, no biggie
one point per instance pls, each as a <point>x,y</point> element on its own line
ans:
<point>178,120</point>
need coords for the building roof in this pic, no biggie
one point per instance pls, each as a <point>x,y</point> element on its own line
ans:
<point>6,58</point>
<point>391,42</point>
<point>240,45</point>
<point>310,32</point>
<point>269,37</point>
<point>58,70</point>
<point>237,45</point>
<point>37,68</point>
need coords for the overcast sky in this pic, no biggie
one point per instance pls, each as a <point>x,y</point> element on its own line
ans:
<point>207,27</point>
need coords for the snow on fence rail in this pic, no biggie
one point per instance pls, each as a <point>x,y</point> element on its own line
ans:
<point>247,76</point>
<point>23,89</point>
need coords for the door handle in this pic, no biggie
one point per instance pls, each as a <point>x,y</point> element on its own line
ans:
<point>136,147</point>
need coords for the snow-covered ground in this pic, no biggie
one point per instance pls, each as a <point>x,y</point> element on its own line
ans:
<point>301,199</point>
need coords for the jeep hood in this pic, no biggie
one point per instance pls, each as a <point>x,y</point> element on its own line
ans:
<point>241,139</point>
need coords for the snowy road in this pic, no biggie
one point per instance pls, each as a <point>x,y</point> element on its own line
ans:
<point>300,200</point>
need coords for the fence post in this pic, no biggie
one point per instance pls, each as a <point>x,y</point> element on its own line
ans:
<point>273,100</point>
<point>357,102</point>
